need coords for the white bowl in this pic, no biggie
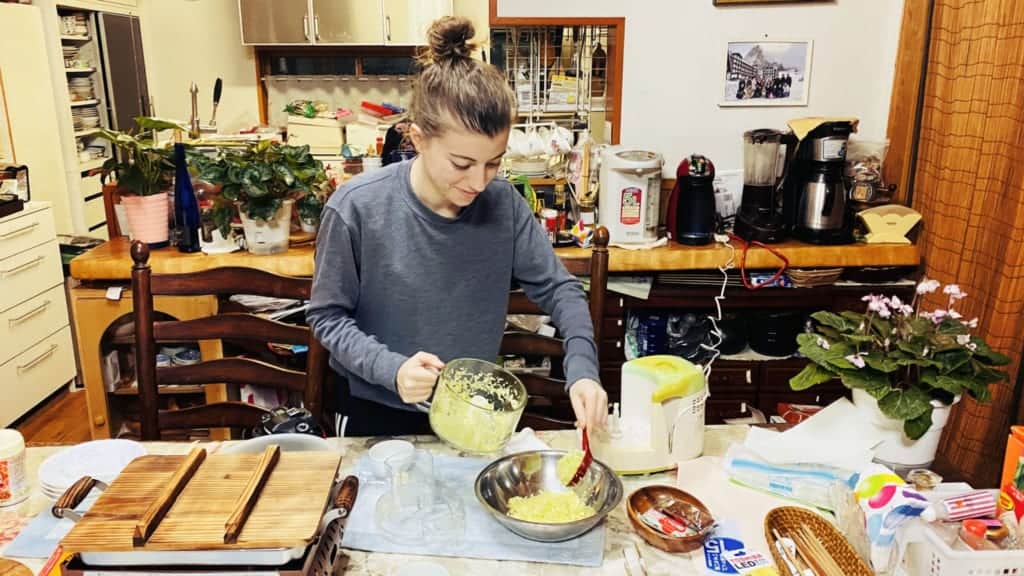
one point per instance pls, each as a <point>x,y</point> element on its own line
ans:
<point>398,453</point>
<point>287,442</point>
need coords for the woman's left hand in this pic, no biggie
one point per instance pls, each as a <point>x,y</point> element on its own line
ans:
<point>590,403</point>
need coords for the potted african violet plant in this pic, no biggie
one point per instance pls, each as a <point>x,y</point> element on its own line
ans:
<point>143,170</point>
<point>263,181</point>
<point>906,368</point>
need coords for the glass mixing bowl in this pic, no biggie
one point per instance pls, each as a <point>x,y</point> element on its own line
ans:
<point>476,405</point>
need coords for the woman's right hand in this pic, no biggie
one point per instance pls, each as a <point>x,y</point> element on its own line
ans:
<point>417,377</point>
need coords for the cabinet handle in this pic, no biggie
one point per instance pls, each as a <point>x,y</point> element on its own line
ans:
<point>18,231</point>
<point>316,27</point>
<point>305,26</point>
<point>35,361</point>
<point>20,267</point>
<point>749,380</point>
<point>387,27</point>
<point>29,314</point>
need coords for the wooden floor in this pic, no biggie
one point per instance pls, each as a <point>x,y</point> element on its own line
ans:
<point>61,419</point>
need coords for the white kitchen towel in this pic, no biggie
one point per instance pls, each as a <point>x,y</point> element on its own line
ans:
<point>483,538</point>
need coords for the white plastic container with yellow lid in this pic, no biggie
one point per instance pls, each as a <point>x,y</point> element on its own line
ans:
<point>14,487</point>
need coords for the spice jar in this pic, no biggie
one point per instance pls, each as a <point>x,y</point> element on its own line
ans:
<point>14,485</point>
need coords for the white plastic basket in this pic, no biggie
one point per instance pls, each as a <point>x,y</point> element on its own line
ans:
<point>932,557</point>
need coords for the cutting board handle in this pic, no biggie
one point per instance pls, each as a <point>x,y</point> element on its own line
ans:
<point>64,507</point>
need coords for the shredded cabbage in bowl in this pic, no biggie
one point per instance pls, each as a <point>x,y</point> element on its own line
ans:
<point>567,466</point>
<point>475,412</point>
<point>549,507</point>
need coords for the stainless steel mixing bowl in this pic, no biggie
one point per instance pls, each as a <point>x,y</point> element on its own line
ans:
<point>528,473</point>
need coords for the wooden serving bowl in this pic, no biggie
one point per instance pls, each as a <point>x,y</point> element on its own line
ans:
<point>675,500</point>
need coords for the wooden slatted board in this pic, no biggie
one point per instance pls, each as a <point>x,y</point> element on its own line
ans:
<point>286,515</point>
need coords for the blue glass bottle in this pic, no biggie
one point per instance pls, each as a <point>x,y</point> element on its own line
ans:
<point>186,207</point>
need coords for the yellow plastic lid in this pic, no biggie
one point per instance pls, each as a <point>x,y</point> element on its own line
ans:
<point>674,376</point>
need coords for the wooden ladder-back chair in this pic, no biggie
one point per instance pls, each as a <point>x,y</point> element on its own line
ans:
<point>220,282</point>
<point>549,406</point>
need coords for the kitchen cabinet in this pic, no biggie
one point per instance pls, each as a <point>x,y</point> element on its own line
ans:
<point>339,22</point>
<point>38,355</point>
<point>275,21</point>
<point>347,22</point>
<point>406,21</point>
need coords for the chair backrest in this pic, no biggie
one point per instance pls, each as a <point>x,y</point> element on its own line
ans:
<point>220,282</point>
<point>548,406</point>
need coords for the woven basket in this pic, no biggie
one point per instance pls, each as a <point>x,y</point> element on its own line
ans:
<point>788,519</point>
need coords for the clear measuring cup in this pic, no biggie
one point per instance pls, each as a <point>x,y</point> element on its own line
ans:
<point>416,507</point>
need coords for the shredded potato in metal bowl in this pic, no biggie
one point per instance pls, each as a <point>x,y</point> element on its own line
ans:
<point>567,466</point>
<point>549,507</point>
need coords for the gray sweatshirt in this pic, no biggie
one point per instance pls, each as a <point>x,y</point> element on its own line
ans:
<point>393,278</point>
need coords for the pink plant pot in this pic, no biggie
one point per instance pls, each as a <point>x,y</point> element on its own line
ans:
<point>147,217</point>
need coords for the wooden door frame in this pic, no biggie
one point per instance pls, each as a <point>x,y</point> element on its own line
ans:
<point>907,95</point>
<point>615,50</point>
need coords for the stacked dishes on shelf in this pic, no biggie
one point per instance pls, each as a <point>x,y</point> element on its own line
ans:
<point>76,24</point>
<point>70,56</point>
<point>101,459</point>
<point>80,88</point>
<point>85,118</point>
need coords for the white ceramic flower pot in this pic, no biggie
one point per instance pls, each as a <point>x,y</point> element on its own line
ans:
<point>309,226</point>
<point>268,236</point>
<point>896,450</point>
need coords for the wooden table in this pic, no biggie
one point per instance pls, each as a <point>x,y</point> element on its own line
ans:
<point>619,535</point>
<point>112,261</point>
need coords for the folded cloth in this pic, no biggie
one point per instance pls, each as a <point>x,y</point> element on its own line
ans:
<point>483,536</point>
<point>803,126</point>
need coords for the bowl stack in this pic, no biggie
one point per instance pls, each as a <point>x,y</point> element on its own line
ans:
<point>100,459</point>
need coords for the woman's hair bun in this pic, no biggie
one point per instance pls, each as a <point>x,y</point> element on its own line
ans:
<point>449,40</point>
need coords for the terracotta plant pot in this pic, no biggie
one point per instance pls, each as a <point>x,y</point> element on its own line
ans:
<point>147,218</point>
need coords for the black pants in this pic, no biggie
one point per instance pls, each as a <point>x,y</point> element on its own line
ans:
<point>368,418</point>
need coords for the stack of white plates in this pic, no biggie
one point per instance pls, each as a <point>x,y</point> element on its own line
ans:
<point>70,56</point>
<point>85,117</point>
<point>80,88</point>
<point>101,459</point>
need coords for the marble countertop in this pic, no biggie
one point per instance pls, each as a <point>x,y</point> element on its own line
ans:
<point>620,534</point>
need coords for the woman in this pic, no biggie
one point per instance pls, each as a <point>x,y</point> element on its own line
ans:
<point>414,261</point>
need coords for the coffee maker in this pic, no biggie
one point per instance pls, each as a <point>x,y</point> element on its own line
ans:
<point>758,218</point>
<point>815,197</point>
<point>691,208</point>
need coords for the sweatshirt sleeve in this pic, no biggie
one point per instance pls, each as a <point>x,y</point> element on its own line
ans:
<point>334,298</point>
<point>559,294</point>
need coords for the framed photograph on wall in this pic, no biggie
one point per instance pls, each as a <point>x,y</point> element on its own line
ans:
<point>767,73</point>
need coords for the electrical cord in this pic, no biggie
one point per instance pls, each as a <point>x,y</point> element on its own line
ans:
<point>743,263</point>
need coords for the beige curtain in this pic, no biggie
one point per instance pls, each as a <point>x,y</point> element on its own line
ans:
<point>970,189</point>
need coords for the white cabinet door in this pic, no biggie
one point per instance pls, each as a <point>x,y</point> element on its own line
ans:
<point>406,21</point>
<point>348,22</point>
<point>275,21</point>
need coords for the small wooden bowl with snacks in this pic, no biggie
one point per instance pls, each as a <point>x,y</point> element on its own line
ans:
<point>669,519</point>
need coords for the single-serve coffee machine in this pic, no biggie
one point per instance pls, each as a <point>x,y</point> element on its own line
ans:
<point>815,197</point>
<point>764,159</point>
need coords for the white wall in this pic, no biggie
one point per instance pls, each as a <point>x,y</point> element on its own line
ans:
<point>197,41</point>
<point>675,61</point>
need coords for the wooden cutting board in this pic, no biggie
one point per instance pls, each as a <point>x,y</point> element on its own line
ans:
<point>286,515</point>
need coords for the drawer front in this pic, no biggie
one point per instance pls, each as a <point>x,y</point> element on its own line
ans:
<point>32,320</point>
<point>94,212</point>
<point>613,327</point>
<point>91,186</point>
<point>716,411</point>
<point>31,376</point>
<point>24,232</point>
<point>610,350</point>
<point>28,273</point>
<point>732,381</point>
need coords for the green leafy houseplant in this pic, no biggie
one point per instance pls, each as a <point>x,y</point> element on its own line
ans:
<point>902,357</point>
<point>259,178</point>
<point>144,166</point>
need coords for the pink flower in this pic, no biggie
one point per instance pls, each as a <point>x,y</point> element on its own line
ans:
<point>907,310</point>
<point>954,314</point>
<point>856,360</point>
<point>972,324</point>
<point>927,286</point>
<point>895,302</point>
<point>963,339</point>
<point>823,343</point>
<point>938,316</point>
<point>954,292</point>
<point>878,304</point>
